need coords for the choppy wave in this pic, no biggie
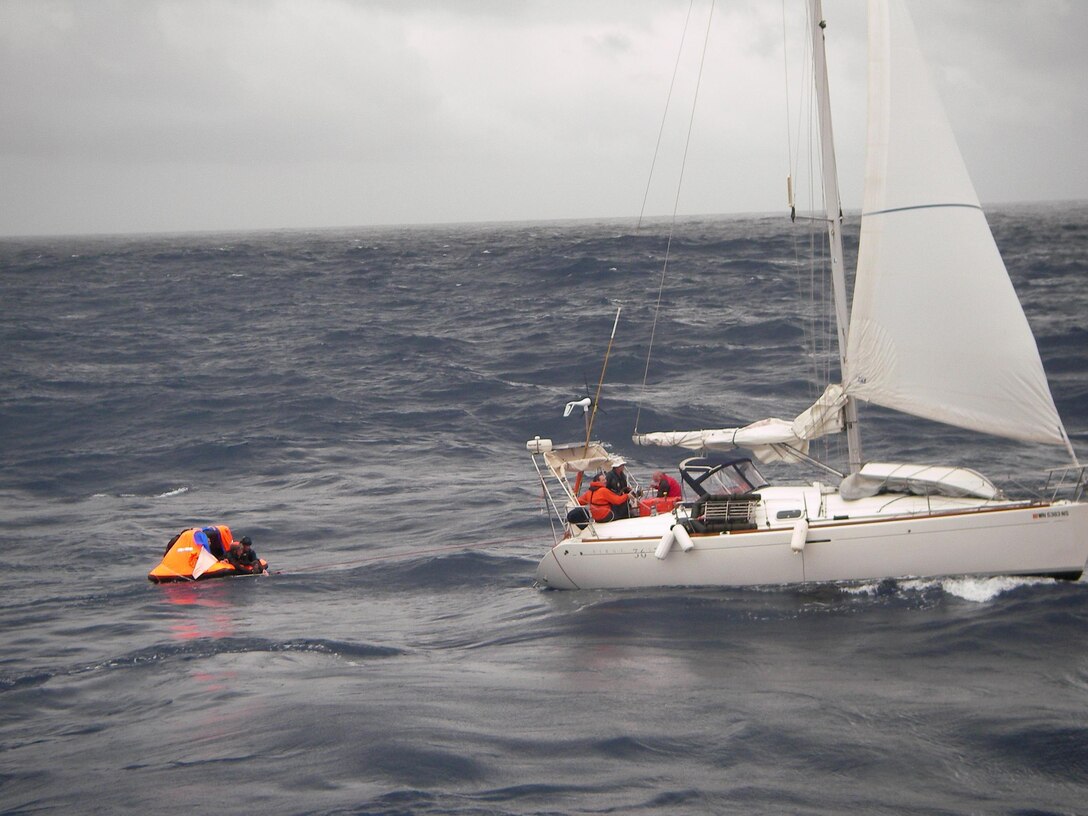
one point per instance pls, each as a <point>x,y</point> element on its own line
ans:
<point>357,401</point>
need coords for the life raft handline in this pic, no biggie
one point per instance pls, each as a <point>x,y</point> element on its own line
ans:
<point>392,556</point>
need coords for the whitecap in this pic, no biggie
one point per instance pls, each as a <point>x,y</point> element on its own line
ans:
<point>175,492</point>
<point>983,590</point>
<point>920,584</point>
<point>861,589</point>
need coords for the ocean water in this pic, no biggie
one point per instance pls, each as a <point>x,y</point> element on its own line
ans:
<point>358,401</point>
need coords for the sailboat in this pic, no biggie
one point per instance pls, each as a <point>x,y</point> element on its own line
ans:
<point>926,260</point>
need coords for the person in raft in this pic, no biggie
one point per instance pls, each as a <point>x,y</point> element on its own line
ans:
<point>665,486</point>
<point>604,503</point>
<point>242,556</point>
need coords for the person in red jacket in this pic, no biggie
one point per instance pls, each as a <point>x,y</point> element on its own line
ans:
<point>665,486</point>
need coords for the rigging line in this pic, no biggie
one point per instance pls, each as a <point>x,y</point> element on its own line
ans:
<point>786,82</point>
<point>811,287</point>
<point>600,383</point>
<point>392,556</point>
<point>546,499</point>
<point>672,223</point>
<point>803,251</point>
<point>786,86</point>
<point>805,92</point>
<point>818,254</point>
<point>178,574</point>
<point>597,398</point>
<point>691,117</point>
<point>808,96</point>
<point>664,116</point>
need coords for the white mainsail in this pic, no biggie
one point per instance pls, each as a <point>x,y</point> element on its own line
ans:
<point>936,328</point>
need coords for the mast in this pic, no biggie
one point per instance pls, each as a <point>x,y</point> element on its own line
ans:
<point>833,212</point>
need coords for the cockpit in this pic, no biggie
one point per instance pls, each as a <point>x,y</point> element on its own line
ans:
<point>705,476</point>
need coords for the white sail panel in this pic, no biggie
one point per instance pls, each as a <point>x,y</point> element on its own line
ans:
<point>936,327</point>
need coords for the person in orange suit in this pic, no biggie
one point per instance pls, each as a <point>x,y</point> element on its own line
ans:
<point>606,504</point>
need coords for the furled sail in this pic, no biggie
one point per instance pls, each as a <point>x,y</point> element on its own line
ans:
<point>771,440</point>
<point>936,328</point>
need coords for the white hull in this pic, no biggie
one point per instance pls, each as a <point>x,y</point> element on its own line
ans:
<point>1000,538</point>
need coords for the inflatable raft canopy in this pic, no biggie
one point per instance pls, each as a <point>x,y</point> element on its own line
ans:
<point>199,553</point>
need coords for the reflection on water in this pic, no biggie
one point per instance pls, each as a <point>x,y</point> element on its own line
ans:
<point>189,602</point>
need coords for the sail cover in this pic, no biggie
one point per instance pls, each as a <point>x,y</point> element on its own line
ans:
<point>936,328</point>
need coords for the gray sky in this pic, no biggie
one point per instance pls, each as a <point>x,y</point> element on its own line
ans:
<point>172,115</point>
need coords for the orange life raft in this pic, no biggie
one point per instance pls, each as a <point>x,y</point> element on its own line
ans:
<point>199,553</point>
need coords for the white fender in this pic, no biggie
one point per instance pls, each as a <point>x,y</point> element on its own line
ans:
<point>682,537</point>
<point>800,533</point>
<point>665,545</point>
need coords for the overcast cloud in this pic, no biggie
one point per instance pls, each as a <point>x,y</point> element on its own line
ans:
<point>172,115</point>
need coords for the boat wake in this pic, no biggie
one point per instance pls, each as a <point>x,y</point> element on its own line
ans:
<point>975,589</point>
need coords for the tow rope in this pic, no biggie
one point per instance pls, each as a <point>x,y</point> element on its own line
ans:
<point>408,554</point>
